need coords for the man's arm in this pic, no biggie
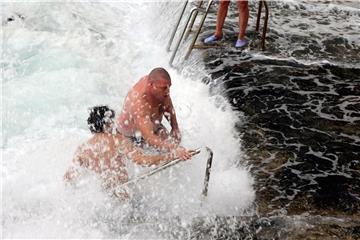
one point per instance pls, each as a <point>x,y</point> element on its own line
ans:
<point>146,127</point>
<point>139,157</point>
<point>170,115</point>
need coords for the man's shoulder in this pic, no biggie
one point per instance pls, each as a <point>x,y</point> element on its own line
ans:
<point>141,83</point>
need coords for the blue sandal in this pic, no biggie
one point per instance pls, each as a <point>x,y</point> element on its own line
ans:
<point>211,39</point>
<point>241,43</point>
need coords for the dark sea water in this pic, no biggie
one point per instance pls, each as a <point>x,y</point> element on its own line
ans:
<point>301,101</point>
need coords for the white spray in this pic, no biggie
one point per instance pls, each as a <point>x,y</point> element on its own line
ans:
<point>61,58</point>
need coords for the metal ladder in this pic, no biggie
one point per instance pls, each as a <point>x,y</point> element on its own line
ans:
<point>261,3</point>
<point>191,19</point>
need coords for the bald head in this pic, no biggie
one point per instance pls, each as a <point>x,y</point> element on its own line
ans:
<point>159,73</point>
<point>159,84</point>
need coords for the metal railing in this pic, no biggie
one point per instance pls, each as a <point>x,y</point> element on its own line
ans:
<point>191,19</point>
<point>170,164</point>
<point>261,4</point>
<point>187,28</point>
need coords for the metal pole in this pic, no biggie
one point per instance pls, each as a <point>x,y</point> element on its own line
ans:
<point>192,21</point>
<point>181,36</point>
<point>176,26</point>
<point>199,29</point>
<point>258,16</point>
<point>155,170</point>
<point>207,172</point>
<point>265,25</point>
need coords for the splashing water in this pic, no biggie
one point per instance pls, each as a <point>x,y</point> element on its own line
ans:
<point>59,59</point>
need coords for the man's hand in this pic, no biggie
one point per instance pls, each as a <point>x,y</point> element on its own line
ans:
<point>183,154</point>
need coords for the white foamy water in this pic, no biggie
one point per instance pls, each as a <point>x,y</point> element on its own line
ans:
<point>59,59</point>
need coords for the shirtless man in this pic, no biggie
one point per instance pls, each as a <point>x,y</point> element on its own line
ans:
<point>104,152</point>
<point>145,106</point>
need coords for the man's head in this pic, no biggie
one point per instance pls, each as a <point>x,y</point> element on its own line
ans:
<point>100,118</point>
<point>159,83</point>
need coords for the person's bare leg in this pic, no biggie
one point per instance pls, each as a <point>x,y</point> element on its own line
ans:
<point>243,17</point>
<point>221,15</point>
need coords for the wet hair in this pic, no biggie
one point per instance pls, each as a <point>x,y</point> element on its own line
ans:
<point>156,73</point>
<point>99,116</point>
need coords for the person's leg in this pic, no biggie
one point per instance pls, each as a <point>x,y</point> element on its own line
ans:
<point>243,17</point>
<point>220,20</point>
<point>221,15</point>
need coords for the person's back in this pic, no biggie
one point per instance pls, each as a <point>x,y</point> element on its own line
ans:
<point>100,154</point>
<point>132,104</point>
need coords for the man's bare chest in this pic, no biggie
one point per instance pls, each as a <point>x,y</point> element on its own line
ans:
<point>154,112</point>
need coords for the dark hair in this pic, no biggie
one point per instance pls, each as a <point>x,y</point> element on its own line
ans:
<point>156,73</point>
<point>99,116</point>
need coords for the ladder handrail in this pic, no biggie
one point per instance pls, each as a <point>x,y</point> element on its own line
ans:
<point>207,172</point>
<point>261,3</point>
<point>199,29</point>
<point>176,26</point>
<point>193,20</point>
<point>265,25</point>
<point>155,170</point>
<point>172,163</point>
<point>193,14</point>
<point>182,35</point>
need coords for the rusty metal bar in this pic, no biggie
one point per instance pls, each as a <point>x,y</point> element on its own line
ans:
<point>263,36</point>
<point>207,172</point>
<point>258,16</point>
<point>265,25</point>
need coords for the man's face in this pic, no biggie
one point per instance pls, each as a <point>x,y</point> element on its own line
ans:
<point>161,89</point>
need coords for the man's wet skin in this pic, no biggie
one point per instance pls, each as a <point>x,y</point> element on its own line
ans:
<point>144,108</point>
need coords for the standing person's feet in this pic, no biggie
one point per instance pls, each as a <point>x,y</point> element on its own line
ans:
<point>241,43</point>
<point>211,39</point>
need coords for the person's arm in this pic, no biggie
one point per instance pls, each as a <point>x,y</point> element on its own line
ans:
<point>73,172</point>
<point>170,115</point>
<point>146,127</point>
<point>70,174</point>
<point>139,157</point>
